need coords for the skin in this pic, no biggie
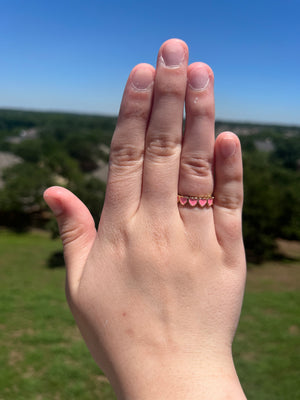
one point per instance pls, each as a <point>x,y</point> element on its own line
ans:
<point>157,290</point>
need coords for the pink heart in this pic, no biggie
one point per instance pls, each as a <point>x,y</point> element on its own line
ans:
<point>193,202</point>
<point>202,202</point>
<point>210,202</point>
<point>183,200</point>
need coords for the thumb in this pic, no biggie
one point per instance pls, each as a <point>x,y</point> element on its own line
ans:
<point>76,227</point>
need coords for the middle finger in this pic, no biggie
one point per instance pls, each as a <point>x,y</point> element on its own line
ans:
<point>164,134</point>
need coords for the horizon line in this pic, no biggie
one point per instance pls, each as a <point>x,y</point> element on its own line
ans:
<point>108,115</point>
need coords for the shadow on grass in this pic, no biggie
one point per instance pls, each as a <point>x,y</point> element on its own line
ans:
<point>56,260</point>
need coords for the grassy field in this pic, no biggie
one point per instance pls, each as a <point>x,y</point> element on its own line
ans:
<point>43,356</point>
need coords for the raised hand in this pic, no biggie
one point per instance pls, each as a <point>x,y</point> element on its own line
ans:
<point>157,290</point>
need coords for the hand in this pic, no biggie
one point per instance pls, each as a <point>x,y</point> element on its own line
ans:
<point>157,290</point>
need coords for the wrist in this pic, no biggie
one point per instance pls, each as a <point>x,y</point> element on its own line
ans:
<point>178,379</point>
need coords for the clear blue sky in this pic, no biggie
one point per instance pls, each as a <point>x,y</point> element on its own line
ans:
<point>76,55</point>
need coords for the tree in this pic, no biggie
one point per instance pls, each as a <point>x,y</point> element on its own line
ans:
<point>22,194</point>
<point>271,207</point>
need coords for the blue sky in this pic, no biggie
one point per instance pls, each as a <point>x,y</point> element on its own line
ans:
<point>76,55</point>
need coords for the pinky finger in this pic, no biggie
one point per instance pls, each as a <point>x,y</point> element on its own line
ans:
<point>228,190</point>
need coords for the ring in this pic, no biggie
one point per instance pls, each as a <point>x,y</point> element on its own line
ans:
<point>206,200</point>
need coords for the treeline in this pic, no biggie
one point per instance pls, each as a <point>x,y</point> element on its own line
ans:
<point>68,150</point>
<point>54,149</point>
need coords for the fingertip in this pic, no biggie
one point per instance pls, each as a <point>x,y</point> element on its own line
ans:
<point>54,191</point>
<point>174,41</point>
<point>53,196</point>
<point>144,66</point>
<point>75,222</point>
<point>142,77</point>
<point>201,65</point>
<point>227,144</point>
<point>64,203</point>
<point>173,53</point>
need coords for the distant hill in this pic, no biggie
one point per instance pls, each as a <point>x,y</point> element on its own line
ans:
<point>39,149</point>
<point>11,119</point>
<point>12,122</point>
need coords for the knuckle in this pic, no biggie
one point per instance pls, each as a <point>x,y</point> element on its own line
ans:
<point>195,165</point>
<point>161,146</point>
<point>230,202</point>
<point>70,233</point>
<point>125,155</point>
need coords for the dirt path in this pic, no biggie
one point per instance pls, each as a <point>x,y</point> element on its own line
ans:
<point>274,276</point>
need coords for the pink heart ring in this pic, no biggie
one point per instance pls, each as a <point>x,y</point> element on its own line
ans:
<point>206,200</point>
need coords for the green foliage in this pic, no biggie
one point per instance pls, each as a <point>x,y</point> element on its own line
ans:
<point>260,211</point>
<point>61,164</point>
<point>272,187</point>
<point>271,207</point>
<point>85,149</point>
<point>287,151</point>
<point>21,198</point>
<point>57,124</point>
<point>64,149</point>
<point>91,192</point>
<point>24,186</point>
<point>59,149</point>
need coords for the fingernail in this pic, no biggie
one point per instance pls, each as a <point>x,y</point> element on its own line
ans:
<point>228,146</point>
<point>173,54</point>
<point>199,78</point>
<point>142,79</point>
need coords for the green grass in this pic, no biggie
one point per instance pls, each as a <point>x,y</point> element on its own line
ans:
<point>42,352</point>
<point>44,357</point>
<point>267,347</point>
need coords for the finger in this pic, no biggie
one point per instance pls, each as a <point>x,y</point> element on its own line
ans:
<point>124,184</point>
<point>196,177</point>
<point>228,190</point>
<point>77,230</point>
<point>164,134</point>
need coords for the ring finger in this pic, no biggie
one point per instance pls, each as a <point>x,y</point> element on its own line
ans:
<point>196,166</point>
